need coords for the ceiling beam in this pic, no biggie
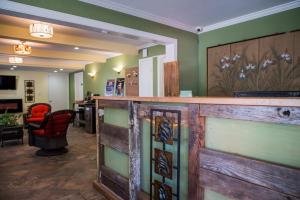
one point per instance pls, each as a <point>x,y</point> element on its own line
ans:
<point>14,32</point>
<point>51,54</point>
<point>54,65</point>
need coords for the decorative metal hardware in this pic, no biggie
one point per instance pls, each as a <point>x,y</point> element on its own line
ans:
<point>165,129</point>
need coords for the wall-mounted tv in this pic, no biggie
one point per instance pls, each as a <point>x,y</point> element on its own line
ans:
<point>7,82</point>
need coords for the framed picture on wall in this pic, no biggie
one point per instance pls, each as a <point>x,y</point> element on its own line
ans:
<point>120,86</point>
<point>29,91</point>
<point>109,88</point>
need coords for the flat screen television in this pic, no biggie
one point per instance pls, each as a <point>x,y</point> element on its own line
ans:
<point>7,82</point>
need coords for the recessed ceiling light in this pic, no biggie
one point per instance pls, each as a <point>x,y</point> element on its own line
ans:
<point>61,69</point>
<point>15,60</point>
<point>76,48</point>
<point>55,71</point>
<point>14,66</point>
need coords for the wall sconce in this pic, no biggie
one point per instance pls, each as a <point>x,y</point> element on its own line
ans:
<point>118,69</point>
<point>92,74</point>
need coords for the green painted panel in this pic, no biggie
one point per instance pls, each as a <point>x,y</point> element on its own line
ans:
<point>113,159</point>
<point>117,161</point>
<point>266,141</point>
<point>154,51</point>
<point>187,42</point>
<point>211,195</point>
<point>277,23</point>
<point>145,162</point>
<point>71,90</point>
<point>117,117</point>
<point>104,71</point>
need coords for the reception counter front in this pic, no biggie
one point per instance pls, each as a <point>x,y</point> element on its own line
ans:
<point>198,148</point>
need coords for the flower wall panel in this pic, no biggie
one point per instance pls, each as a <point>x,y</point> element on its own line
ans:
<point>264,64</point>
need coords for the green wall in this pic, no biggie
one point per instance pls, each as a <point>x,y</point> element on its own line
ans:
<point>187,42</point>
<point>277,23</point>
<point>154,51</point>
<point>105,71</point>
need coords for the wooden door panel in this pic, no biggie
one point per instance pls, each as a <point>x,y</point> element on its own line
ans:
<point>275,57</point>
<point>215,82</point>
<point>244,58</point>
<point>171,78</point>
<point>296,61</point>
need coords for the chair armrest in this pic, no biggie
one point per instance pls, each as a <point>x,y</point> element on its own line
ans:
<point>35,126</point>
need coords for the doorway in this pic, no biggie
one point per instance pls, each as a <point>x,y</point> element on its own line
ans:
<point>58,91</point>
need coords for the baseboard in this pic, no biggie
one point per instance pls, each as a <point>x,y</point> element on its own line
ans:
<point>105,191</point>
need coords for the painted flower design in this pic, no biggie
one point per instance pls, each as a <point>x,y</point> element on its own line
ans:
<point>250,66</point>
<point>242,75</point>
<point>236,57</point>
<point>225,59</point>
<point>225,62</point>
<point>286,57</point>
<point>266,63</point>
<point>225,66</point>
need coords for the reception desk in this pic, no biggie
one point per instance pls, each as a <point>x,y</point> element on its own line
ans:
<point>198,148</point>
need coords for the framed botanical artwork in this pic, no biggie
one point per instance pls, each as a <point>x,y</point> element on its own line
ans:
<point>29,93</point>
<point>270,63</point>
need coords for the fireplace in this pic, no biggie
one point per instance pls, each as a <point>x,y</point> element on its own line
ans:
<point>11,105</point>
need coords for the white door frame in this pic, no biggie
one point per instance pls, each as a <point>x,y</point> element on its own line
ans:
<point>27,11</point>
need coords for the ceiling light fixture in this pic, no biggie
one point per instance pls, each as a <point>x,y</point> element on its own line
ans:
<point>61,69</point>
<point>15,60</point>
<point>41,30</point>
<point>14,66</point>
<point>22,49</point>
<point>55,71</point>
<point>76,48</point>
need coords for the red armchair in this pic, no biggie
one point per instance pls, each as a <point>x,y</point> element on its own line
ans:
<point>50,135</point>
<point>36,113</point>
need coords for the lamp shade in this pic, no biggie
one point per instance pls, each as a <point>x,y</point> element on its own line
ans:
<point>41,30</point>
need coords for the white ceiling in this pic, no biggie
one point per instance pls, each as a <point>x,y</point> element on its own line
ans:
<point>188,14</point>
<point>59,47</point>
<point>108,36</point>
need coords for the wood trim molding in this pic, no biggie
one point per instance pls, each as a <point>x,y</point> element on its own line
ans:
<point>278,178</point>
<point>106,191</point>
<point>280,115</point>
<point>196,142</point>
<point>115,104</point>
<point>236,189</point>
<point>115,137</point>
<point>287,102</point>
<point>135,143</point>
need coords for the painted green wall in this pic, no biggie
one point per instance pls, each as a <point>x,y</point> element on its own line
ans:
<point>187,42</point>
<point>277,23</point>
<point>113,159</point>
<point>71,90</point>
<point>154,51</point>
<point>105,71</point>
